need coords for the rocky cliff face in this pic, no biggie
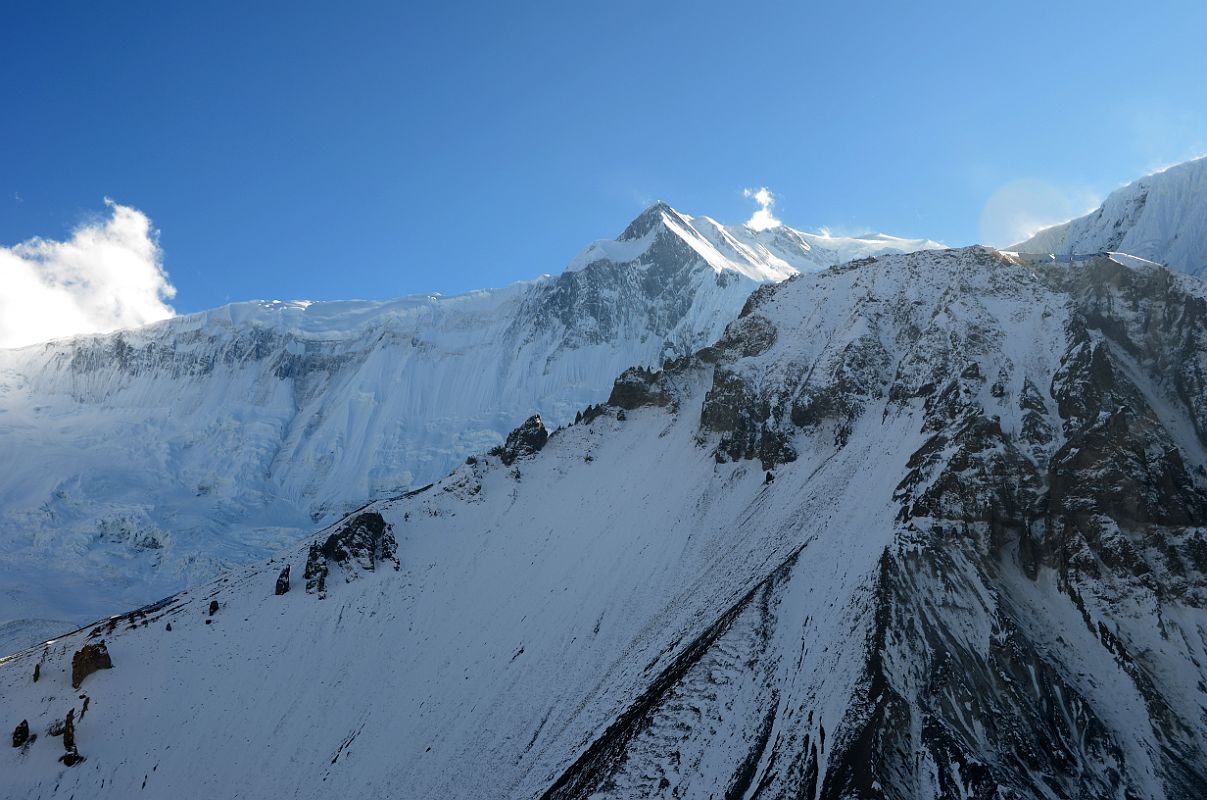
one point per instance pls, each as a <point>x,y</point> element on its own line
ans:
<point>1035,624</point>
<point>978,571</point>
<point>151,459</point>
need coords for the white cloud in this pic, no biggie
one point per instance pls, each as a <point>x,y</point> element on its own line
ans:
<point>762,219</point>
<point>108,275</point>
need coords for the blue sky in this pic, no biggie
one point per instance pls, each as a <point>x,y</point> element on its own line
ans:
<point>297,150</point>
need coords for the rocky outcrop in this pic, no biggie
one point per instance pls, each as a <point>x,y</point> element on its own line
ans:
<point>758,424</point>
<point>21,733</point>
<point>748,336</point>
<point>749,426</point>
<point>87,660</point>
<point>590,414</point>
<point>282,586</point>
<point>525,440</point>
<point>637,387</point>
<point>361,544</point>
<point>833,397</point>
<point>315,572</point>
<point>72,756</point>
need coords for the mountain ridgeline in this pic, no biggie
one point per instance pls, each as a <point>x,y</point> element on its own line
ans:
<point>154,458</point>
<point>920,526</point>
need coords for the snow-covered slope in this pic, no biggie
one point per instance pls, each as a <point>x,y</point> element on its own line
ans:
<point>149,459</point>
<point>1159,217</point>
<point>930,526</point>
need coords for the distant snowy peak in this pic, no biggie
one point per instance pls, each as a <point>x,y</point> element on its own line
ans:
<point>766,255</point>
<point>151,458</point>
<point>660,236</point>
<point>1161,217</point>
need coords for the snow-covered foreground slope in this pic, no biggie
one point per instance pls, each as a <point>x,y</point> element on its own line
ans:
<point>147,460</point>
<point>1159,217</point>
<point>929,526</point>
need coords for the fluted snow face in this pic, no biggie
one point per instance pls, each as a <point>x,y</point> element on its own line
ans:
<point>1158,217</point>
<point>770,254</point>
<point>149,459</point>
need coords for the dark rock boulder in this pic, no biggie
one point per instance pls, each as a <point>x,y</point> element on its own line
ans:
<point>525,440</point>
<point>72,756</point>
<point>87,660</point>
<point>282,581</point>
<point>637,387</point>
<point>749,336</point>
<point>316,571</point>
<point>69,731</point>
<point>364,541</point>
<point>361,545</point>
<point>21,734</point>
<point>213,607</point>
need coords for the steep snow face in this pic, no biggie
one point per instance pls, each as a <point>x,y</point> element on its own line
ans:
<point>147,460</point>
<point>768,255</point>
<point>1158,217</point>
<point>925,527</point>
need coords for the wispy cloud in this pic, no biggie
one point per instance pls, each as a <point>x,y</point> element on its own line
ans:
<point>762,219</point>
<point>109,274</point>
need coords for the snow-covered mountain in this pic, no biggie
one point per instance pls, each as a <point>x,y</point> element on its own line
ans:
<point>1159,217</point>
<point>149,459</point>
<point>927,526</point>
